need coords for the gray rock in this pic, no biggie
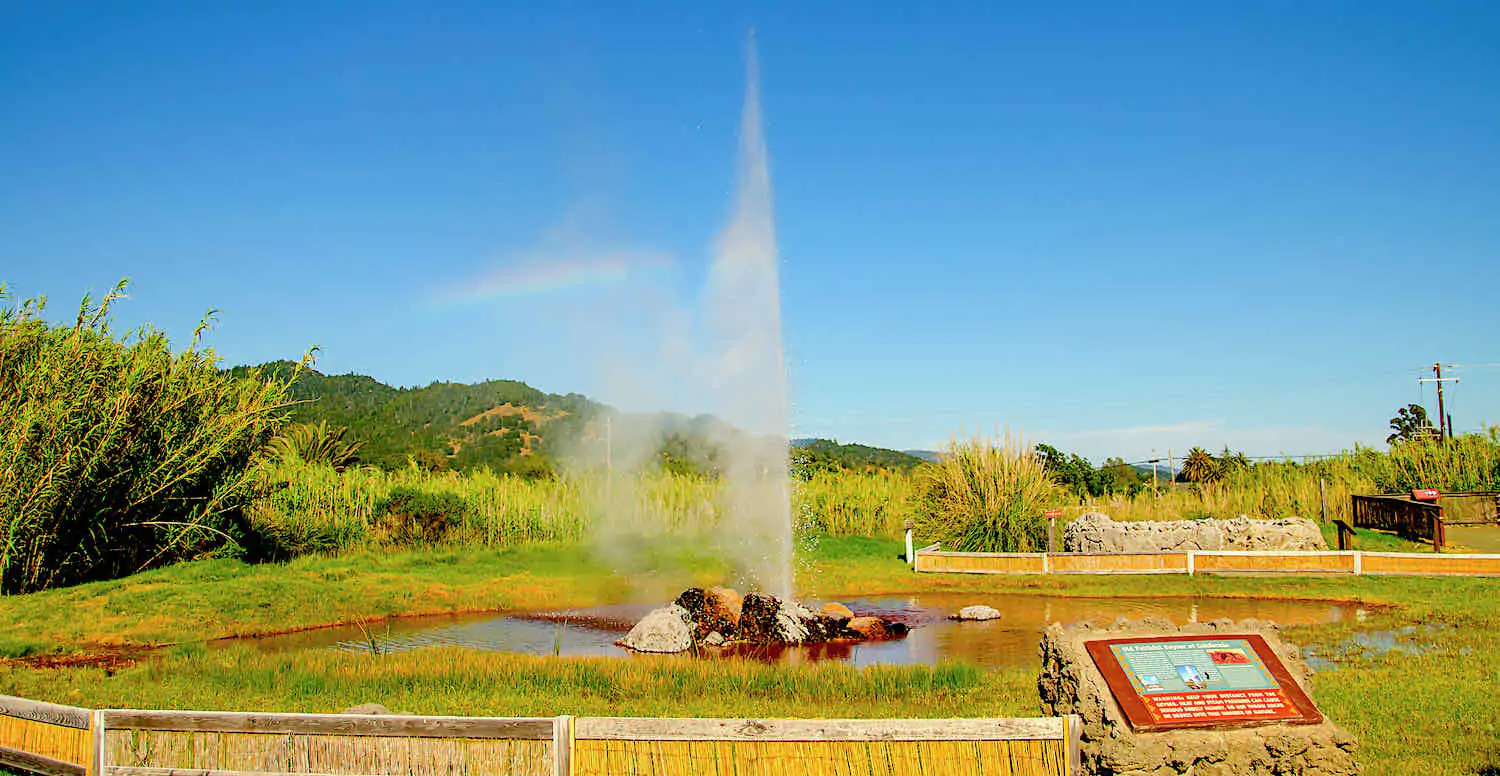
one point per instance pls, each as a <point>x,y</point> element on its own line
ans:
<point>668,629</point>
<point>1095,532</point>
<point>790,622</point>
<point>977,612</point>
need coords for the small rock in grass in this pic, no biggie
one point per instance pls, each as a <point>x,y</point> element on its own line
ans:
<point>978,612</point>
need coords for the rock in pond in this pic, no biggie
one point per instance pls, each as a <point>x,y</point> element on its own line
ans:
<point>976,613</point>
<point>836,610</point>
<point>668,629</point>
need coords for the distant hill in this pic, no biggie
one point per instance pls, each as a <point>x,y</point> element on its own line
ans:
<point>828,454</point>
<point>443,425</point>
<point>931,456</point>
<point>496,423</point>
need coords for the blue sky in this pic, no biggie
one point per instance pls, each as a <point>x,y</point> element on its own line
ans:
<point>1114,228</point>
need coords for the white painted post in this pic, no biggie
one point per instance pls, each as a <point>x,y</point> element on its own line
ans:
<point>1359,566</point>
<point>911,556</point>
<point>1190,563</point>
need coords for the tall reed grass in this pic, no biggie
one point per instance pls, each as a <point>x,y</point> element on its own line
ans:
<point>117,454</point>
<point>304,508</point>
<point>986,495</point>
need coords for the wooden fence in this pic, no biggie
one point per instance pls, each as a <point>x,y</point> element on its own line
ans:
<point>45,738</point>
<point>1418,521</point>
<point>64,741</point>
<point>931,559</point>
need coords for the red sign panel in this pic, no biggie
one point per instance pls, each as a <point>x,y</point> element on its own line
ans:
<point>1200,681</point>
<point>1425,494</point>
<point>1052,514</point>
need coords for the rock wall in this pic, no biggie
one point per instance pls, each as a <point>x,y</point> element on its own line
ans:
<point>1095,532</point>
<point>1069,683</point>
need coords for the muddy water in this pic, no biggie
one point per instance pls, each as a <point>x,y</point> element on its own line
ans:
<point>1011,640</point>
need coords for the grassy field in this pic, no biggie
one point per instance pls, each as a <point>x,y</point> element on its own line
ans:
<point>1431,711</point>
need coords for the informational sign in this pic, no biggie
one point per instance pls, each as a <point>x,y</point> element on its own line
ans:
<point>1052,514</point>
<point>1200,681</point>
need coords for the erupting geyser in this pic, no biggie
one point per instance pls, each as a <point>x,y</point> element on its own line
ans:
<point>743,304</point>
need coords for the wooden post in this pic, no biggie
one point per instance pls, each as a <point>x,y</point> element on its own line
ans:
<point>1346,535</point>
<point>100,753</point>
<point>1323,497</point>
<point>562,745</point>
<point>1051,535</point>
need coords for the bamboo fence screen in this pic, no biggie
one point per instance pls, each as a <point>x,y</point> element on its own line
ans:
<point>933,560</point>
<point>65,741</point>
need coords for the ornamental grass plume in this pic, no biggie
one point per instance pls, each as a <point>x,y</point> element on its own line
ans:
<point>986,495</point>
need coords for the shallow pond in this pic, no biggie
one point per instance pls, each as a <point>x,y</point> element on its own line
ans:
<point>1009,641</point>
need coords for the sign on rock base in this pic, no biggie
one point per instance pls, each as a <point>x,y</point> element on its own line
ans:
<point>1204,699</point>
<point>1200,681</point>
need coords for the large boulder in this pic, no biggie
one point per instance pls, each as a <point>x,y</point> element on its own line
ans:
<point>1096,532</point>
<point>668,629</point>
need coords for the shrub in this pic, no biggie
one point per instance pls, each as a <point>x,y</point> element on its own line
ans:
<point>415,516</point>
<point>985,496</point>
<point>530,467</point>
<point>117,454</point>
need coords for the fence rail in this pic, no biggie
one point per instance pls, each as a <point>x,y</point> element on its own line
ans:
<point>931,560</point>
<point>129,742</point>
<point>1413,520</point>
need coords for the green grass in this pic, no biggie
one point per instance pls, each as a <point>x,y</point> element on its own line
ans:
<point>1426,713</point>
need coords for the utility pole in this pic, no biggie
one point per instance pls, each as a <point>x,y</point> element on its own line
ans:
<point>1171,468</point>
<point>1154,459</point>
<point>1445,430</point>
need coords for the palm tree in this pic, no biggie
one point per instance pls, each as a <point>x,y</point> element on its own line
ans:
<point>317,444</point>
<point>1200,466</point>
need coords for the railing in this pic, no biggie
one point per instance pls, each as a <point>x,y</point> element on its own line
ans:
<point>931,559</point>
<point>56,740</point>
<point>1414,520</point>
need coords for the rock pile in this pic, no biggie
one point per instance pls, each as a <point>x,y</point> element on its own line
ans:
<point>718,616</point>
<point>1095,532</point>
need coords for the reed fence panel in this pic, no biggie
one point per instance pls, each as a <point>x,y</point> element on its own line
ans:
<point>638,747</point>
<point>1430,564</point>
<point>1209,562</point>
<point>45,737</point>
<point>1134,563</point>
<point>137,742</point>
<point>981,562</point>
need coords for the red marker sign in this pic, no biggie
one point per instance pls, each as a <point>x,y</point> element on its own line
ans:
<point>1052,514</point>
<point>1425,494</point>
